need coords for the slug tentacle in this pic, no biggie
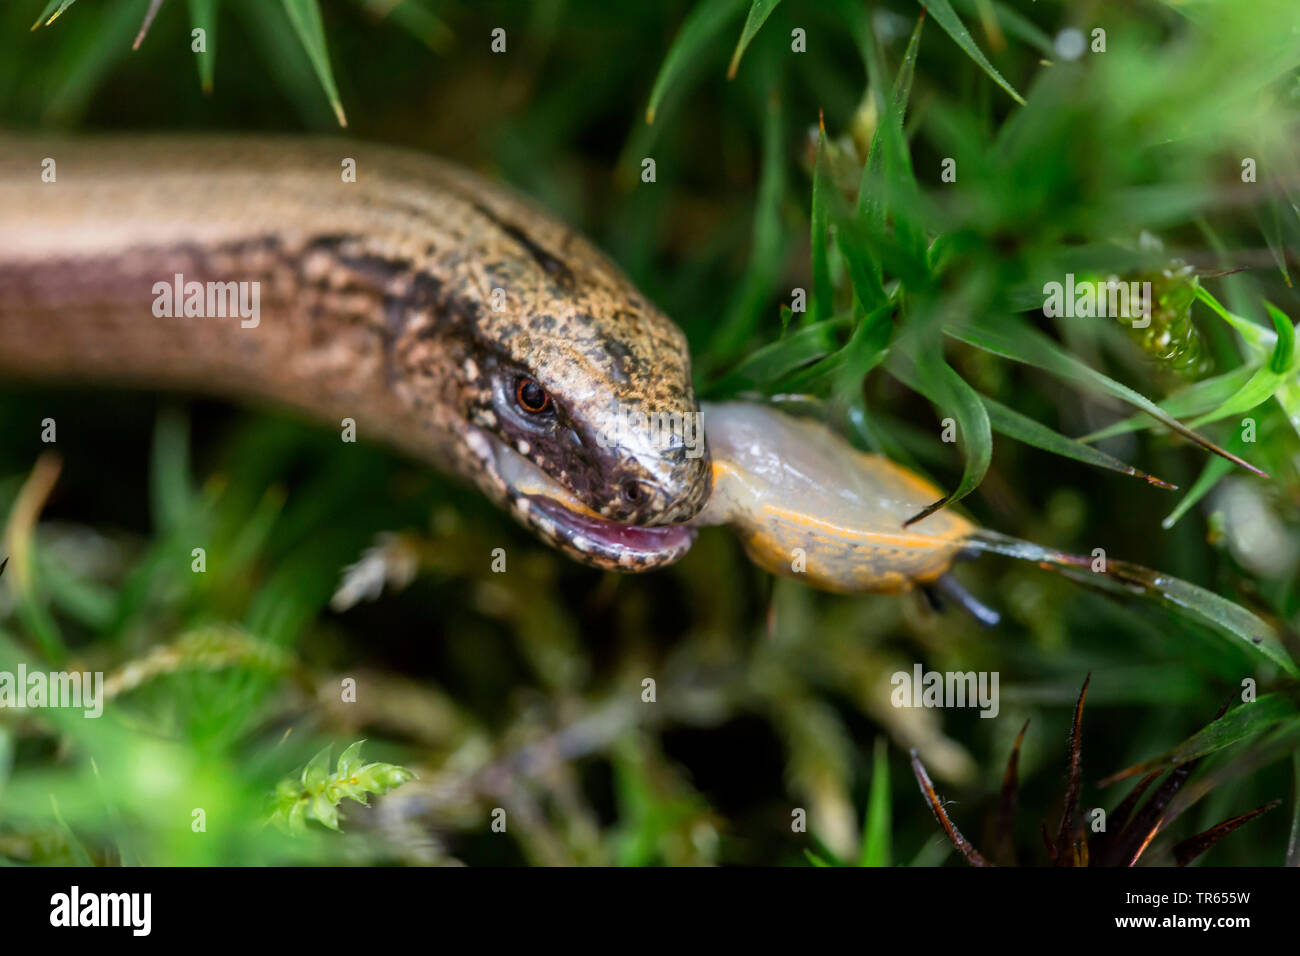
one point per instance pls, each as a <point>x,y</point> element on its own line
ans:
<point>946,586</point>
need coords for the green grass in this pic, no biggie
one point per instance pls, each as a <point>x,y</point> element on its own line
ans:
<point>820,171</point>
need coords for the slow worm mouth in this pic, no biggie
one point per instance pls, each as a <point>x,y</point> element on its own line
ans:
<point>550,509</point>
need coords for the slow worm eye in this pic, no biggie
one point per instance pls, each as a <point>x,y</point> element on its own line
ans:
<point>531,397</point>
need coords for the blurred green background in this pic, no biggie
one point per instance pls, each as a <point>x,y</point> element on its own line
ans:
<point>523,691</point>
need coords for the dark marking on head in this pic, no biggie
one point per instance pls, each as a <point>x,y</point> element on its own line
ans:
<point>551,264</point>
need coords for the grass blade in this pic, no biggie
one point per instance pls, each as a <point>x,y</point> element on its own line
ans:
<point>847,367</point>
<point>1233,726</point>
<point>759,11</point>
<point>1283,359</point>
<point>1031,347</point>
<point>1271,228</point>
<point>962,845</point>
<point>1267,378</point>
<point>1065,843</point>
<point>862,248</point>
<point>203,16</point>
<point>1258,339</point>
<point>823,303</point>
<point>1022,428</point>
<point>18,540</point>
<point>50,14</point>
<point>876,831</point>
<point>1187,850</point>
<point>172,498</point>
<point>1206,607</point>
<point>701,27</point>
<point>1194,400</point>
<point>1005,841</point>
<point>416,19</point>
<point>888,180</point>
<point>866,348</point>
<point>154,7</point>
<point>306,19</point>
<point>769,245</point>
<point>1213,609</point>
<point>1020,27</point>
<point>952,25</point>
<point>1215,470</point>
<point>771,362</point>
<point>924,370</point>
<point>96,54</point>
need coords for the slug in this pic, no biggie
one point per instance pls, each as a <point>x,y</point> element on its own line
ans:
<point>808,505</point>
<point>437,311</point>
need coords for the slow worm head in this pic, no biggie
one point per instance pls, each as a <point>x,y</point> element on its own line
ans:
<point>437,311</point>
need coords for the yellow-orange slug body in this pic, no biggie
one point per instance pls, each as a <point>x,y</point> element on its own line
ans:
<point>807,505</point>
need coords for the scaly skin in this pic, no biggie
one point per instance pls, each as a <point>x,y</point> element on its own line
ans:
<point>377,304</point>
